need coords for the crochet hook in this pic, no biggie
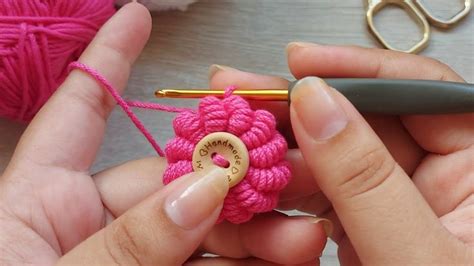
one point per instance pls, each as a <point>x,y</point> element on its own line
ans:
<point>383,96</point>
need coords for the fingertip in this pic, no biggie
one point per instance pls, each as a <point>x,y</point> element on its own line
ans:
<point>139,7</point>
<point>325,224</point>
<point>117,45</point>
<point>312,96</point>
<point>198,199</point>
<point>290,47</point>
<point>126,33</point>
<point>293,46</point>
<point>219,74</point>
<point>297,55</point>
<point>144,15</point>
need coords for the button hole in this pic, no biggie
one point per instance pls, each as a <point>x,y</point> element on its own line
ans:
<point>220,160</point>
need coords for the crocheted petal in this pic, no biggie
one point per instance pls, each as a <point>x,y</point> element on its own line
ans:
<point>266,117</point>
<point>269,154</point>
<point>240,121</point>
<point>234,103</point>
<point>214,117</point>
<point>268,202</point>
<point>233,212</point>
<point>262,130</point>
<point>187,124</point>
<point>179,149</point>
<point>241,218</point>
<point>240,114</point>
<point>255,201</point>
<point>269,179</point>
<point>176,170</point>
<point>252,200</point>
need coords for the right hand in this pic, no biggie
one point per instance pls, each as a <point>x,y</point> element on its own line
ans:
<point>399,190</point>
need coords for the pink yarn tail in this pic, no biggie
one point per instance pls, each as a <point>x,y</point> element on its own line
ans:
<point>126,106</point>
<point>156,106</point>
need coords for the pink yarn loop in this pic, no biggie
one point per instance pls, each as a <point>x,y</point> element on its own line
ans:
<point>38,39</point>
<point>268,172</point>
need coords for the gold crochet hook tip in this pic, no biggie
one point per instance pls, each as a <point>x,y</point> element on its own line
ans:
<point>261,95</point>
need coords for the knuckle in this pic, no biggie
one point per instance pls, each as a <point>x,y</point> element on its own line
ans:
<point>380,66</point>
<point>460,222</point>
<point>369,172</point>
<point>97,101</point>
<point>123,245</point>
<point>444,72</point>
<point>438,64</point>
<point>442,184</point>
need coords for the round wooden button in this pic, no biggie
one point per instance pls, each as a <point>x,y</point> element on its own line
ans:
<point>228,146</point>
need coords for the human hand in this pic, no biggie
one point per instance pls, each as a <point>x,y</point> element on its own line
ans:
<point>399,190</point>
<point>52,210</point>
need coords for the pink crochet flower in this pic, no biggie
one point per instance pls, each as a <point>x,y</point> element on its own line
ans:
<point>268,172</point>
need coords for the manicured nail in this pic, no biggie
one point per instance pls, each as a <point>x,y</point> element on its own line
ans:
<point>318,112</point>
<point>190,205</point>
<point>216,68</point>
<point>293,45</point>
<point>327,224</point>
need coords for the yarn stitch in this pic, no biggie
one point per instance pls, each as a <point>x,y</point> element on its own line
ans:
<point>38,40</point>
<point>268,171</point>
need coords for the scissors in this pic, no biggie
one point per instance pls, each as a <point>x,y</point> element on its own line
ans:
<point>420,13</point>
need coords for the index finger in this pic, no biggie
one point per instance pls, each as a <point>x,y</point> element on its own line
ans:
<point>434,133</point>
<point>309,59</point>
<point>68,130</point>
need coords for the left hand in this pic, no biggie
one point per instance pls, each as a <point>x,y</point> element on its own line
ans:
<point>50,203</point>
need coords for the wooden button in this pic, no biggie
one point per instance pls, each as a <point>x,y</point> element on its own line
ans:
<point>228,146</point>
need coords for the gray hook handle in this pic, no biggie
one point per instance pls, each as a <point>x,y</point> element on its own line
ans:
<point>399,97</point>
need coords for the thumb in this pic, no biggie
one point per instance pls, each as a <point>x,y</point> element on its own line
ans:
<point>383,214</point>
<point>164,229</point>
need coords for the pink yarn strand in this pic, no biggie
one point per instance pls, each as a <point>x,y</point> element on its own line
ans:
<point>126,105</point>
<point>123,104</point>
<point>157,106</point>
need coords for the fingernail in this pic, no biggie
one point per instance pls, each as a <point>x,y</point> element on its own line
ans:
<point>327,224</point>
<point>293,45</point>
<point>216,68</point>
<point>316,109</point>
<point>189,206</point>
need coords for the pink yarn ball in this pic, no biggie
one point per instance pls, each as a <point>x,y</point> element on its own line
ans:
<point>38,40</point>
<point>268,172</point>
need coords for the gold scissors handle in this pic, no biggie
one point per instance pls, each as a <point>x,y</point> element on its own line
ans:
<point>441,23</point>
<point>374,6</point>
